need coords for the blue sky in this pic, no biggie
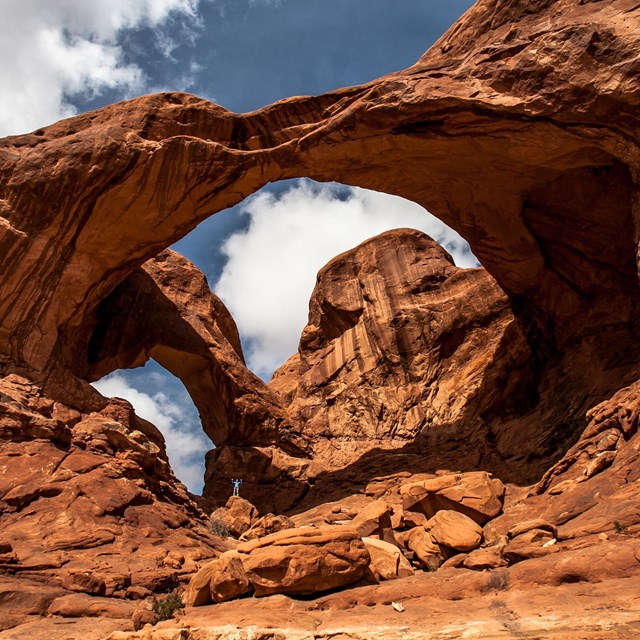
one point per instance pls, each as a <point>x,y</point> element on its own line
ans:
<point>69,56</point>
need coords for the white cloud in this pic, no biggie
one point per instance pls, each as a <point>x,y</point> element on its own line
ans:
<point>186,443</point>
<point>53,50</point>
<point>272,265</point>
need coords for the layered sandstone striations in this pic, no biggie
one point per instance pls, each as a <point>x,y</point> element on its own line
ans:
<point>519,129</point>
<point>403,347</point>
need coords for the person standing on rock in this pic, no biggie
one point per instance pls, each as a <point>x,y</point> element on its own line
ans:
<point>236,486</point>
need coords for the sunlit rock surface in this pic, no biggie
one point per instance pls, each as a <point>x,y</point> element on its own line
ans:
<point>519,130</point>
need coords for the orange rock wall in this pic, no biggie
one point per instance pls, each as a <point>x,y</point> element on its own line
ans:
<point>517,135</point>
<point>401,346</point>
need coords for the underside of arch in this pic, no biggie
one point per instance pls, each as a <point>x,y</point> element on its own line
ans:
<point>165,310</point>
<point>497,130</point>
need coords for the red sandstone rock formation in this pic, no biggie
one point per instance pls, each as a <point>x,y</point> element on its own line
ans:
<point>165,310</point>
<point>490,130</point>
<point>402,346</point>
<point>300,561</point>
<point>520,137</point>
<point>88,505</point>
<point>519,129</point>
<point>402,350</point>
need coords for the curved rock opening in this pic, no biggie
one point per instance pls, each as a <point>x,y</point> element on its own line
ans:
<point>275,243</point>
<point>539,181</point>
<point>165,310</point>
<point>162,399</point>
<point>519,128</point>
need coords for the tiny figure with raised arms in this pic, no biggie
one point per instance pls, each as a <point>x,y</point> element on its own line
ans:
<point>236,487</point>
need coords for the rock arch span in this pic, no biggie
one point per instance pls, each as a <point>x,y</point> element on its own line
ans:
<point>503,129</point>
<point>165,310</point>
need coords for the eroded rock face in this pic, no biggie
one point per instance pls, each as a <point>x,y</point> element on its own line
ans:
<point>165,310</point>
<point>273,479</point>
<point>491,130</point>
<point>88,502</point>
<point>400,343</point>
<point>518,128</point>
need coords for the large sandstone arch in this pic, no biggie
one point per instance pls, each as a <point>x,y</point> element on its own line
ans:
<point>503,130</point>
<point>519,129</point>
<point>165,310</point>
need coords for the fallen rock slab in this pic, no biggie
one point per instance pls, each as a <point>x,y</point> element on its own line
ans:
<point>219,580</point>
<point>531,544</point>
<point>528,525</point>
<point>81,605</point>
<point>228,579</point>
<point>299,561</point>
<point>304,561</point>
<point>387,561</point>
<point>427,553</point>
<point>373,519</point>
<point>69,629</point>
<point>483,559</point>
<point>605,561</point>
<point>197,592</point>
<point>475,494</point>
<point>267,525</point>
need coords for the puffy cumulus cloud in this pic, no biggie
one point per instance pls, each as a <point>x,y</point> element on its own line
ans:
<point>185,440</point>
<point>53,50</point>
<point>272,264</point>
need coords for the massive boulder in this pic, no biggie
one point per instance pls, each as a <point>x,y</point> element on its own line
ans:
<point>476,494</point>
<point>518,128</point>
<point>301,561</point>
<point>304,561</point>
<point>428,552</point>
<point>222,579</point>
<point>455,530</point>
<point>401,344</point>
<point>387,561</point>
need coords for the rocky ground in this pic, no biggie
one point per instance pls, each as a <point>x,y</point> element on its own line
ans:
<point>408,556</point>
<point>450,453</point>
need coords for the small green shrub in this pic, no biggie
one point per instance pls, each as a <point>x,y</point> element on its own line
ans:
<point>164,608</point>
<point>218,528</point>
<point>619,527</point>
